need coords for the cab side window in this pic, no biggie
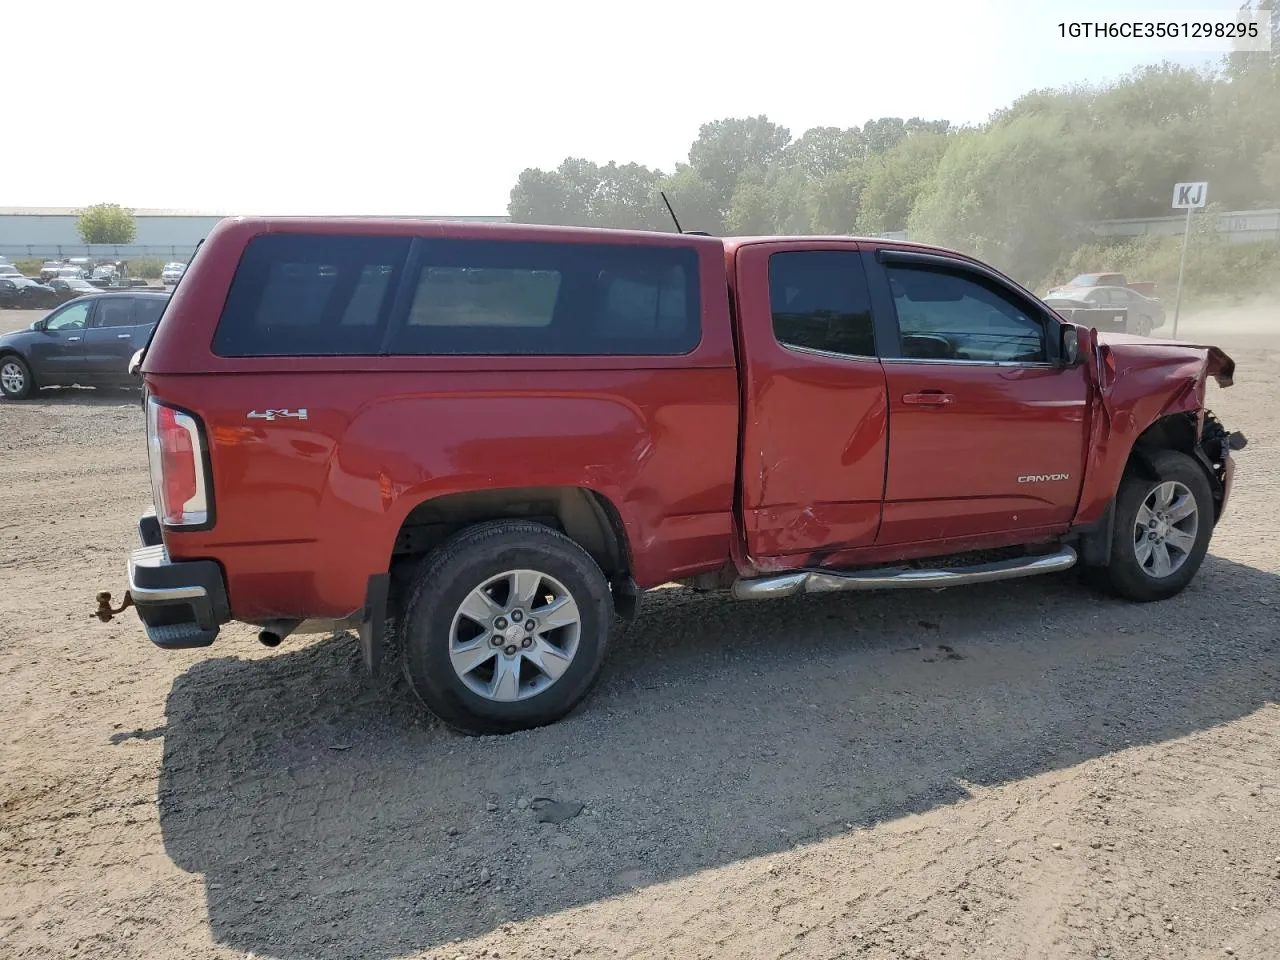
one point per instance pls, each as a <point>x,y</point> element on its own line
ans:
<point>819,301</point>
<point>946,314</point>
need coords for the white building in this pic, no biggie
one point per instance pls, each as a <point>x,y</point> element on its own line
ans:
<point>34,232</point>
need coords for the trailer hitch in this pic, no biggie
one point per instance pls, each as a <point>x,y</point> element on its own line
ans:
<point>105,611</point>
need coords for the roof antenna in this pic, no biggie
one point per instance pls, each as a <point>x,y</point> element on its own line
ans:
<point>663,194</point>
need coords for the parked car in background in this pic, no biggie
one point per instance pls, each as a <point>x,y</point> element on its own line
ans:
<point>88,342</point>
<point>114,275</point>
<point>9,270</point>
<point>79,267</point>
<point>1146,288</point>
<point>8,293</point>
<point>172,273</point>
<point>103,274</point>
<point>1139,314</point>
<point>27,294</point>
<point>68,288</point>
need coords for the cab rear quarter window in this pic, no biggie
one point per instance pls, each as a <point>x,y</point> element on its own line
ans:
<point>311,295</point>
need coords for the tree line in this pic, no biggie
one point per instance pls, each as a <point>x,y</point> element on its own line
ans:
<point>1016,190</point>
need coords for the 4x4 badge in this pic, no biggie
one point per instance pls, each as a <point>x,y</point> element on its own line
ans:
<point>299,414</point>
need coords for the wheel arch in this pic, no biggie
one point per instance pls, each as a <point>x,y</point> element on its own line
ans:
<point>1175,431</point>
<point>1172,431</point>
<point>586,516</point>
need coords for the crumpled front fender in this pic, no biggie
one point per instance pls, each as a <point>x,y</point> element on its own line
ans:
<point>1138,381</point>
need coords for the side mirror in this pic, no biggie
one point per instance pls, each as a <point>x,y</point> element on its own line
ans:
<point>39,324</point>
<point>1070,347</point>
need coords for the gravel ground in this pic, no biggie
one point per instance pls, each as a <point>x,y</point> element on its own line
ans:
<point>1018,770</point>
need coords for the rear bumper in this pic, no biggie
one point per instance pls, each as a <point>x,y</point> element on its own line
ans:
<point>182,604</point>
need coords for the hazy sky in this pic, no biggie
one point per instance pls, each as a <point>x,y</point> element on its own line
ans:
<point>275,106</point>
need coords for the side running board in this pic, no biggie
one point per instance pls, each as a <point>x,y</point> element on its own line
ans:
<point>901,578</point>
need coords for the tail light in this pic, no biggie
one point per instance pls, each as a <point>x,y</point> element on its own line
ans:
<point>176,452</point>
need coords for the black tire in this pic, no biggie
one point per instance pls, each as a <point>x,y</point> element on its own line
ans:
<point>1125,574</point>
<point>464,563</point>
<point>28,382</point>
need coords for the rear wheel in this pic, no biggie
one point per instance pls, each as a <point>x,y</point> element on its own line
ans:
<point>1162,529</point>
<point>506,627</point>
<point>16,382</point>
<point>1142,326</point>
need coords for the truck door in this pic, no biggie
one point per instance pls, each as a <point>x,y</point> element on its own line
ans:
<point>988,433</point>
<point>814,414</point>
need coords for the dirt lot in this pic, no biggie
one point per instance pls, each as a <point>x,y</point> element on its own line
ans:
<point>1020,770</point>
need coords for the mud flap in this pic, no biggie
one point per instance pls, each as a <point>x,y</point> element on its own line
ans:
<point>1095,543</point>
<point>372,629</point>
<point>626,598</point>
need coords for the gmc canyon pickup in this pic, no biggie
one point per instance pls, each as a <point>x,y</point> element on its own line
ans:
<point>494,438</point>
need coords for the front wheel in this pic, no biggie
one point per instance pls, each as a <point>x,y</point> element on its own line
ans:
<point>16,382</point>
<point>1162,529</point>
<point>506,627</point>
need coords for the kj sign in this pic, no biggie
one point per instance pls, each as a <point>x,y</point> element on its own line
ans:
<point>1190,196</point>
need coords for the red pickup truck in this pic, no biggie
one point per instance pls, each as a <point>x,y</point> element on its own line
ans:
<point>494,438</point>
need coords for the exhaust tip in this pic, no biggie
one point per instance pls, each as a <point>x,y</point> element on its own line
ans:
<point>273,632</point>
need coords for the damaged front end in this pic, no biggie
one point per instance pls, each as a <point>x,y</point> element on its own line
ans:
<point>1214,449</point>
<point>1214,443</point>
<point>1159,388</point>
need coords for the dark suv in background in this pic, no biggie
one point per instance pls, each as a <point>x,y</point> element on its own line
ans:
<point>87,341</point>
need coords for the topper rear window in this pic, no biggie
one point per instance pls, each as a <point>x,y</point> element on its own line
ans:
<point>305,295</point>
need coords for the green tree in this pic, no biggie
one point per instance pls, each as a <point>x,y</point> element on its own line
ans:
<point>1014,195</point>
<point>106,223</point>
<point>694,199</point>
<point>772,200</point>
<point>1019,189</point>
<point>544,196</point>
<point>725,149</point>
<point>582,193</point>
<point>894,180</point>
<point>822,151</point>
<point>836,199</point>
<point>1269,171</point>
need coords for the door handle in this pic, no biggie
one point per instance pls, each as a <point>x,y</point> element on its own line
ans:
<point>123,336</point>
<point>72,339</point>
<point>928,398</point>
